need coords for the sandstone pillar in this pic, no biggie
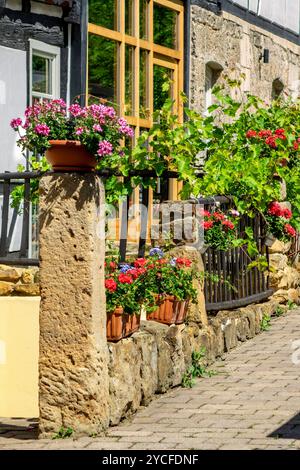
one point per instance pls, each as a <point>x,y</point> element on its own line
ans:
<point>73,374</point>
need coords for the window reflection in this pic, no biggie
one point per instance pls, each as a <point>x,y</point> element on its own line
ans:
<point>129,17</point>
<point>144,79</point>
<point>129,79</point>
<point>102,68</point>
<point>161,76</point>
<point>103,13</point>
<point>165,26</point>
<point>144,5</point>
<point>41,75</point>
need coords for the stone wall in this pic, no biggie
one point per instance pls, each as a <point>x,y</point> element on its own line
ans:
<point>225,42</point>
<point>285,275</point>
<point>154,359</point>
<point>19,281</point>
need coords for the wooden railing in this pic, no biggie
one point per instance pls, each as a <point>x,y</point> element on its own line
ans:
<point>237,286</point>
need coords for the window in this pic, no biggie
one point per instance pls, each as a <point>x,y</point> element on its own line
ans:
<point>277,89</point>
<point>133,46</point>
<point>213,72</point>
<point>44,71</point>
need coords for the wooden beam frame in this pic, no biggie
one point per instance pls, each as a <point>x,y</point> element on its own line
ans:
<point>157,54</point>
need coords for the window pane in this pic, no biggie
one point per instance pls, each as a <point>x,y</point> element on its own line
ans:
<point>129,80</point>
<point>41,74</point>
<point>161,76</point>
<point>144,19</point>
<point>102,68</point>
<point>103,13</point>
<point>164,27</point>
<point>129,17</point>
<point>144,102</point>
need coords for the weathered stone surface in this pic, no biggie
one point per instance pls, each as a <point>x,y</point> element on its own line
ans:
<point>73,349</point>
<point>282,295</point>
<point>148,368</point>
<point>279,247</point>
<point>174,339</point>
<point>240,52</point>
<point>22,281</point>
<point>27,276</point>
<point>124,379</point>
<point>250,314</point>
<point>278,261</point>
<point>290,278</point>
<point>27,289</point>
<point>6,288</point>
<point>9,274</point>
<point>164,364</point>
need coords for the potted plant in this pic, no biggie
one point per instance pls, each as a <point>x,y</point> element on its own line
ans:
<point>123,300</point>
<point>74,138</point>
<point>170,281</point>
<point>220,229</point>
<point>278,222</point>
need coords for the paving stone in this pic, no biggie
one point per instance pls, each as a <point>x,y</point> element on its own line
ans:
<point>255,395</point>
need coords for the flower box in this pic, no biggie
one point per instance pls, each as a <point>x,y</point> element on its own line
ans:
<point>120,325</point>
<point>170,311</point>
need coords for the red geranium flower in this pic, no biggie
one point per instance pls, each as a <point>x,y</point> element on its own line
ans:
<point>271,141</point>
<point>218,216</point>
<point>228,224</point>
<point>275,209</point>
<point>133,272</point>
<point>110,285</point>
<point>264,133</point>
<point>112,265</point>
<point>279,131</point>
<point>281,136</point>
<point>250,134</point>
<point>183,262</point>
<point>290,230</point>
<point>140,262</point>
<point>205,213</point>
<point>296,145</point>
<point>208,224</point>
<point>286,213</point>
<point>125,279</point>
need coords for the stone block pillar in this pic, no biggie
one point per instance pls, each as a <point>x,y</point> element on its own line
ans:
<point>73,373</point>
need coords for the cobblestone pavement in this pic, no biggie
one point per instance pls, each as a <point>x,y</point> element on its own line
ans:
<point>253,403</point>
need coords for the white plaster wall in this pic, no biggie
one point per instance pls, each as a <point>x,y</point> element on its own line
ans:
<point>50,10</point>
<point>13,93</point>
<point>283,12</point>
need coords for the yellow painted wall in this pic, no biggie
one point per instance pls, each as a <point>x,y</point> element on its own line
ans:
<point>19,346</point>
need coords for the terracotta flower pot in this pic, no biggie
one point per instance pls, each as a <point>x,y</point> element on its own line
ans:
<point>131,324</point>
<point>181,310</point>
<point>170,311</point>
<point>70,155</point>
<point>114,325</point>
<point>120,325</point>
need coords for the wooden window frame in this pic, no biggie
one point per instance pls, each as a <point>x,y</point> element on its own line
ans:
<point>52,53</point>
<point>157,54</point>
<point>172,58</point>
